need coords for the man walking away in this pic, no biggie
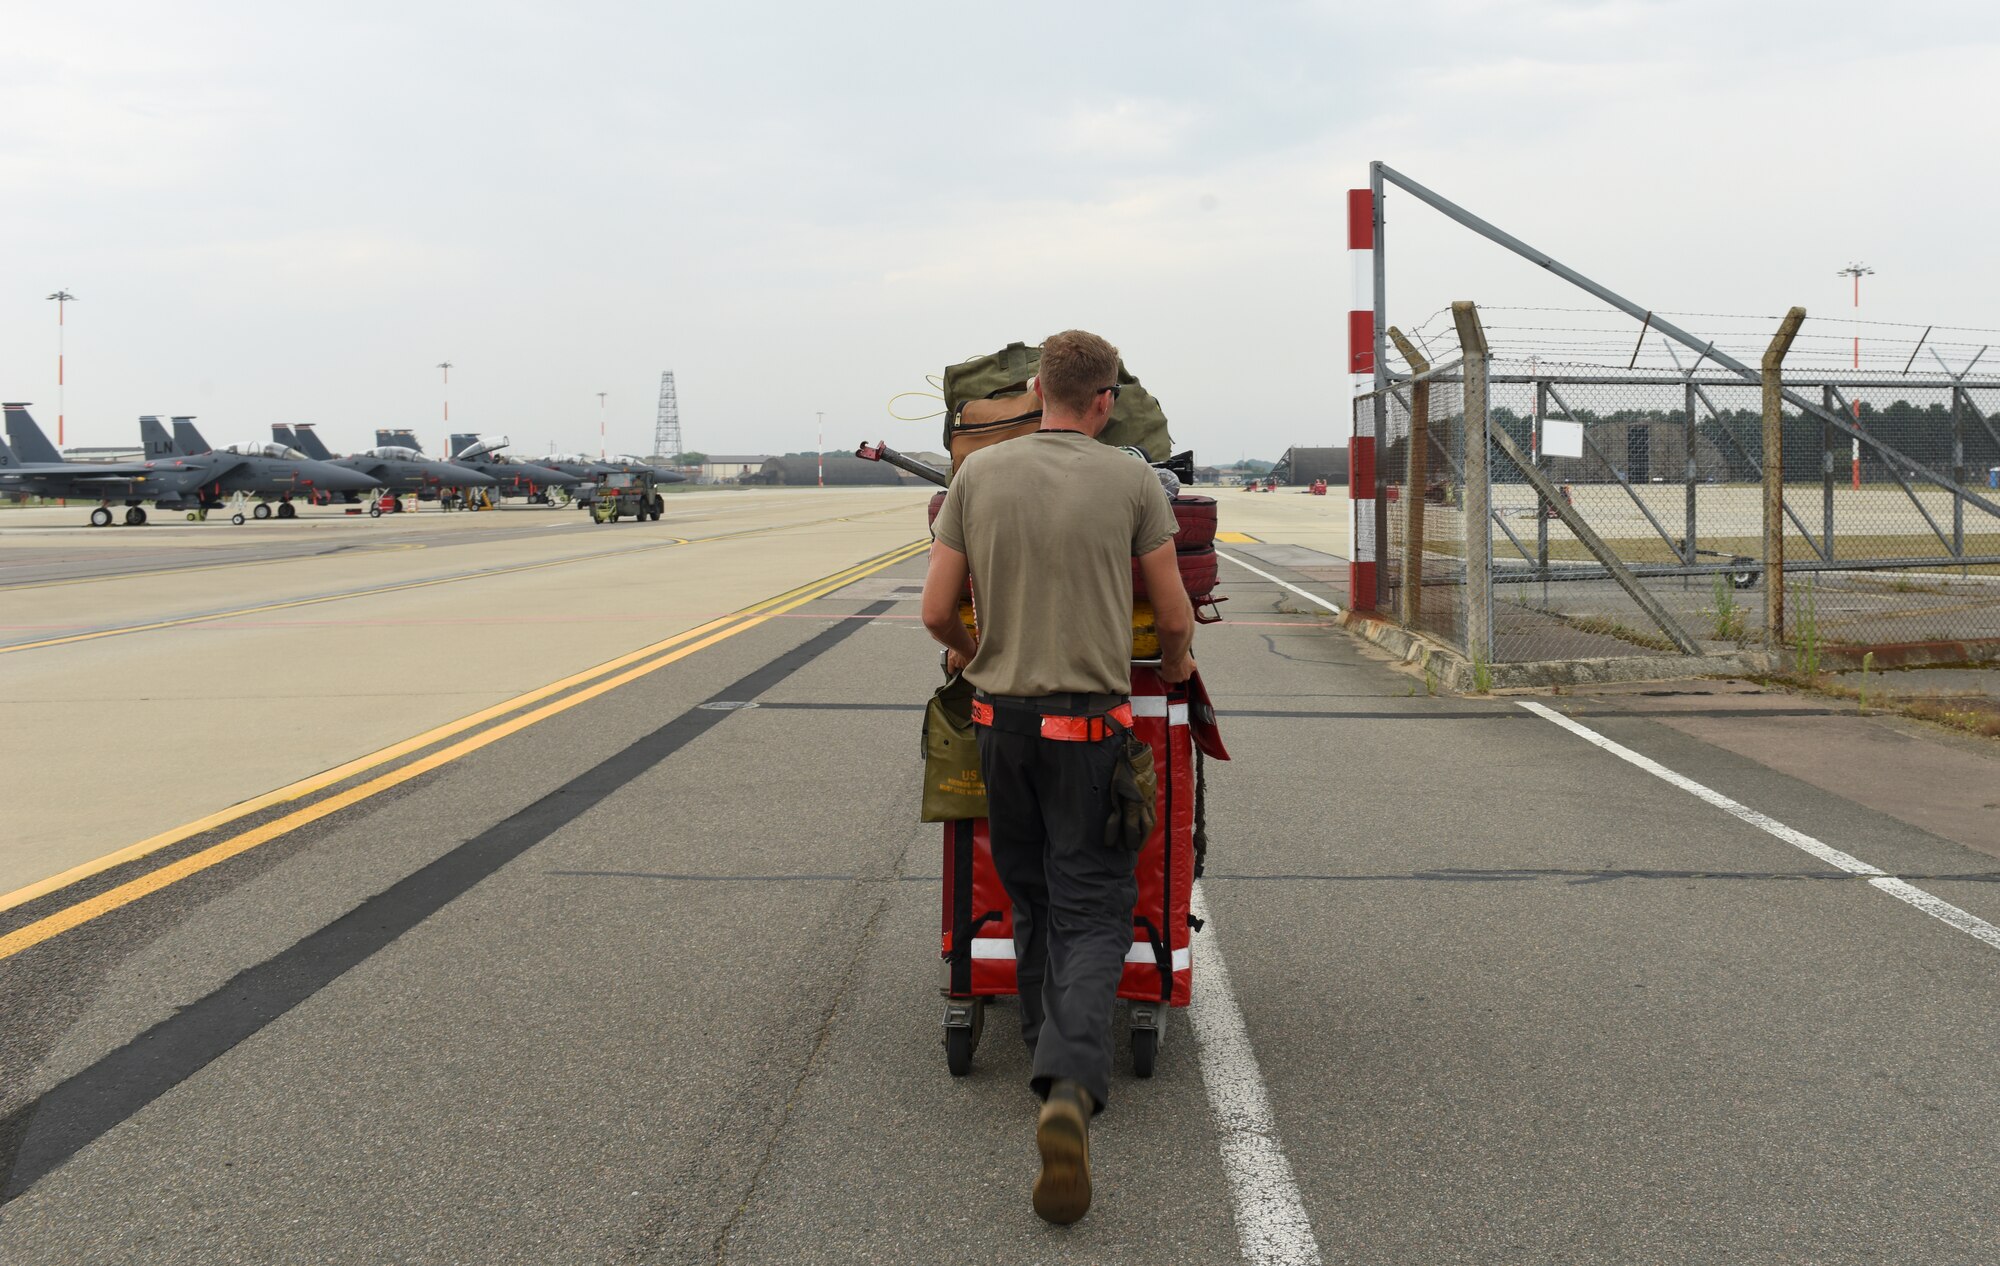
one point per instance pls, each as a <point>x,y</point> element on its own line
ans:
<point>1048,525</point>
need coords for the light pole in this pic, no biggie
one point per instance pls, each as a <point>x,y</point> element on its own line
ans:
<point>600,425</point>
<point>445,365</point>
<point>1857,272</point>
<point>819,454</point>
<point>61,297</point>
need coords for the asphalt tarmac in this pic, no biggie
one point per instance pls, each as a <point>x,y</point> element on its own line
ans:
<point>635,971</point>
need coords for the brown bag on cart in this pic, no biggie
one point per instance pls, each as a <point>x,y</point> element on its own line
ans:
<point>953,788</point>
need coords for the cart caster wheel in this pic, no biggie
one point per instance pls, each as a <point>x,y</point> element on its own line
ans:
<point>375,512</point>
<point>964,1021</point>
<point>237,519</point>
<point>1145,1051</point>
<point>958,1048</point>
<point>1743,579</point>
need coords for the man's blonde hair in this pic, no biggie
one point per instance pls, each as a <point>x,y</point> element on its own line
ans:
<point>1076,365</point>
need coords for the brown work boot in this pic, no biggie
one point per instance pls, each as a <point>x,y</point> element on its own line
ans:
<point>1062,1191</point>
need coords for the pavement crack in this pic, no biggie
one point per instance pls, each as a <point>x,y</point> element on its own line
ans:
<point>821,1036</point>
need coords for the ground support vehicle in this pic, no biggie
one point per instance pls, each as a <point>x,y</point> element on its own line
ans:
<point>622,494</point>
<point>1159,969</point>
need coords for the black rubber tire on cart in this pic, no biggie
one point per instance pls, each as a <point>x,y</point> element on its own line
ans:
<point>1194,518</point>
<point>958,1047</point>
<point>1145,1051</point>
<point>961,1041</point>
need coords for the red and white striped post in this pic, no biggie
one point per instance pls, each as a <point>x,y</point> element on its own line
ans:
<point>1361,366</point>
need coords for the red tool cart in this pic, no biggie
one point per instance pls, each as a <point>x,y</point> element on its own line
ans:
<point>1159,967</point>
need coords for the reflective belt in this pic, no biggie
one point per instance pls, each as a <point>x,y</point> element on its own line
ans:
<point>1064,729</point>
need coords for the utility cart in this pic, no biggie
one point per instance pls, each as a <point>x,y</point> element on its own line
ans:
<point>627,494</point>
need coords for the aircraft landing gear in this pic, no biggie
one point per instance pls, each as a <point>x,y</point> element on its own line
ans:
<point>135,516</point>
<point>286,510</point>
<point>262,510</point>
<point>101,517</point>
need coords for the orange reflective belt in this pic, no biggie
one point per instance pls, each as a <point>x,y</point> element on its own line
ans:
<point>1066,729</point>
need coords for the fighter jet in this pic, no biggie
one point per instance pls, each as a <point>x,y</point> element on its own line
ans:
<point>39,470</point>
<point>516,478</point>
<point>261,471</point>
<point>394,469</point>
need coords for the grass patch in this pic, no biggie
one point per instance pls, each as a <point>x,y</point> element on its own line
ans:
<point>1967,714</point>
<point>1605,626</point>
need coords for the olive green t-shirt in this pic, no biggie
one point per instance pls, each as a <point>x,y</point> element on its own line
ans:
<point>1050,524</point>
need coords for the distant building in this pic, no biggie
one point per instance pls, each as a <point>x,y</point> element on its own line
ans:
<point>1305,465</point>
<point>727,467</point>
<point>804,472</point>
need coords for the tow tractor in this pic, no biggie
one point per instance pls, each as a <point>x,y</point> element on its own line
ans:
<point>627,493</point>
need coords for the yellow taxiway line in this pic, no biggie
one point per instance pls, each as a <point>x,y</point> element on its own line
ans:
<point>707,634</point>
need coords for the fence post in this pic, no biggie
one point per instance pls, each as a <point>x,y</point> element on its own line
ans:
<point>1774,476</point>
<point>1693,440</point>
<point>1478,488</point>
<point>1416,478</point>
<point>1826,474</point>
<point>1960,399</point>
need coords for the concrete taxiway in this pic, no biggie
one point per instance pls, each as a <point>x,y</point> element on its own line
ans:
<point>639,964</point>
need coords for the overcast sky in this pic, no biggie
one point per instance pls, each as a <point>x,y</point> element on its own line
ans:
<point>293,213</point>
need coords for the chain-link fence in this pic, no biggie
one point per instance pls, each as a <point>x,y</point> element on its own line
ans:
<point>1626,511</point>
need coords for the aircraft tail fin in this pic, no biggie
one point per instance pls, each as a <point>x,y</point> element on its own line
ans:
<point>29,444</point>
<point>188,440</point>
<point>307,441</point>
<point>459,443</point>
<point>154,440</point>
<point>404,437</point>
<point>385,439</point>
<point>7,461</point>
<point>282,434</point>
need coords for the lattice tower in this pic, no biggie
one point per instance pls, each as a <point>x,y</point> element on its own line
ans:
<point>667,431</point>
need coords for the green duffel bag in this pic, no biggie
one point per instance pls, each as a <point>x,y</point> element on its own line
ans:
<point>953,788</point>
<point>1137,421</point>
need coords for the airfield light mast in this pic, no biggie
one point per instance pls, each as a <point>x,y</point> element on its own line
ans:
<point>667,430</point>
<point>821,454</point>
<point>1857,272</point>
<point>600,425</point>
<point>445,365</point>
<point>61,297</point>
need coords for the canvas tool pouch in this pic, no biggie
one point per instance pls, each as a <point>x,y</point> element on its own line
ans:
<point>1135,790</point>
<point>953,789</point>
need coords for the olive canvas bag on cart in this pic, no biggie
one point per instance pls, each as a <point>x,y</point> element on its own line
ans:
<point>986,399</point>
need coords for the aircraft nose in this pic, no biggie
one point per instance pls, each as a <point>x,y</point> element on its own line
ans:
<point>339,478</point>
<point>465,477</point>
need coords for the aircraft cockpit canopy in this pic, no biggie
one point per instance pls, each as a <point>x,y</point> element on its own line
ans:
<point>282,452</point>
<point>396,453</point>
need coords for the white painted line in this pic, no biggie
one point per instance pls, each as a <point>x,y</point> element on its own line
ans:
<point>1286,584</point>
<point>1937,907</point>
<point>1271,1224</point>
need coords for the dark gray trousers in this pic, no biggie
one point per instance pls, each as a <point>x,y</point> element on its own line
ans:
<point>1047,803</point>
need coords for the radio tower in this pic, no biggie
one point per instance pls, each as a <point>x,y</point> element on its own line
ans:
<point>667,431</point>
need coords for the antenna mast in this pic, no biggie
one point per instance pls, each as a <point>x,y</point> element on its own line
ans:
<point>667,431</point>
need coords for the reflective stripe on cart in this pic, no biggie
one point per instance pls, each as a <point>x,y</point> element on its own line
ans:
<point>1157,706</point>
<point>1002,947</point>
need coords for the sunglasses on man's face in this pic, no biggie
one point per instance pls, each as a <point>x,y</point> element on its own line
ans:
<point>1114,389</point>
